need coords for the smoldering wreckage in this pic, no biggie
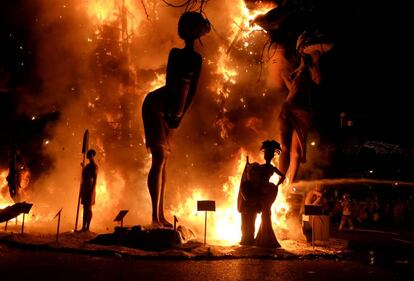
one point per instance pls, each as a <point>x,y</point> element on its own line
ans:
<point>261,61</point>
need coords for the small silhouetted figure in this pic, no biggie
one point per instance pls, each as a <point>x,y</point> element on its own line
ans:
<point>14,178</point>
<point>346,212</point>
<point>257,195</point>
<point>88,185</point>
<point>164,108</point>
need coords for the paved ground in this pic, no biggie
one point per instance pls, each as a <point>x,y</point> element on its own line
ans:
<point>17,264</point>
<point>371,255</point>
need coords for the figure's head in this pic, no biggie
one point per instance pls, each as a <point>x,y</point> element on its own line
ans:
<point>192,25</point>
<point>90,154</point>
<point>269,148</point>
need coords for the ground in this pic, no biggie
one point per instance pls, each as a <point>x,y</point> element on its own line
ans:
<point>350,255</point>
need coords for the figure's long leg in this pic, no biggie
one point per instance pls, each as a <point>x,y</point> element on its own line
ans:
<point>162,218</point>
<point>155,180</point>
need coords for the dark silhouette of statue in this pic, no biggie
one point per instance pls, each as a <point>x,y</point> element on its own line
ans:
<point>257,195</point>
<point>14,178</point>
<point>294,26</point>
<point>164,108</point>
<point>88,187</point>
<point>295,117</point>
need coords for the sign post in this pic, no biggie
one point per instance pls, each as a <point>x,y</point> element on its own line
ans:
<point>58,224</point>
<point>207,206</point>
<point>120,217</point>
<point>25,211</point>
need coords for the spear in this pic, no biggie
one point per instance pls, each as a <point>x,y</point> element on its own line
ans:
<point>84,150</point>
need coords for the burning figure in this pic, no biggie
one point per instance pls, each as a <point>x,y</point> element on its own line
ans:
<point>164,108</point>
<point>88,185</point>
<point>257,195</point>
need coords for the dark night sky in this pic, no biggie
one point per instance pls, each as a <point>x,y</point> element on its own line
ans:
<point>371,72</point>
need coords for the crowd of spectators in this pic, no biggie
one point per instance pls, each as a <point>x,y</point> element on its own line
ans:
<point>374,210</point>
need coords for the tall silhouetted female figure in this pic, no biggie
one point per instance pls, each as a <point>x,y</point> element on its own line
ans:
<point>164,108</point>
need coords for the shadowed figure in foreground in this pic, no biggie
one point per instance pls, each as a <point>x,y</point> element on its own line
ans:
<point>164,108</point>
<point>257,195</point>
<point>88,186</point>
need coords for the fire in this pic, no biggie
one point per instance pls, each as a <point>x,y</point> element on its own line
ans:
<point>109,188</point>
<point>106,11</point>
<point>246,15</point>
<point>280,207</point>
<point>102,10</point>
<point>158,82</point>
<point>6,200</point>
<point>241,27</point>
<point>224,225</point>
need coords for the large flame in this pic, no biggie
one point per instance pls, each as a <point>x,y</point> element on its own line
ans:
<point>106,11</point>
<point>223,224</point>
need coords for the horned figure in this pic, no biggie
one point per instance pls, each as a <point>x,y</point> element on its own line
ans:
<point>164,108</point>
